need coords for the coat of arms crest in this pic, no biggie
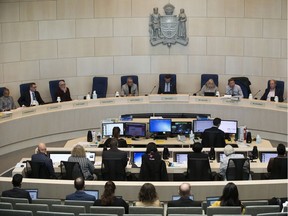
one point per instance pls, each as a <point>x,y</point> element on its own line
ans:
<point>168,29</point>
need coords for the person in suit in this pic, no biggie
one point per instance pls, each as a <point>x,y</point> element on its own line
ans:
<point>214,137</point>
<point>197,151</point>
<point>116,134</point>
<point>79,194</point>
<point>281,151</point>
<point>167,87</point>
<point>114,171</point>
<point>6,101</point>
<point>272,91</point>
<point>108,197</point>
<point>148,196</point>
<point>184,201</point>
<point>31,97</point>
<point>41,156</point>
<point>233,89</point>
<point>63,91</point>
<point>130,88</point>
<point>17,191</point>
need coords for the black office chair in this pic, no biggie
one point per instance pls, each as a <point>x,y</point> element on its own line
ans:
<point>100,85</point>
<point>244,83</point>
<point>279,168</point>
<point>1,91</point>
<point>37,170</point>
<point>206,77</point>
<point>53,86</point>
<point>70,170</point>
<point>199,169</point>
<point>153,170</point>
<point>112,169</point>
<point>238,169</point>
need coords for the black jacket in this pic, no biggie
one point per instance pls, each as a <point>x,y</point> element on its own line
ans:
<point>25,99</point>
<point>213,137</point>
<point>116,202</point>
<point>277,93</point>
<point>184,202</point>
<point>161,89</point>
<point>17,193</point>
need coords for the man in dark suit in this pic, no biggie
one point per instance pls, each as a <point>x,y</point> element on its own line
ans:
<point>167,87</point>
<point>214,137</point>
<point>272,91</point>
<point>197,151</point>
<point>17,192</point>
<point>31,97</point>
<point>41,156</point>
<point>184,201</point>
<point>79,194</point>
<point>114,162</point>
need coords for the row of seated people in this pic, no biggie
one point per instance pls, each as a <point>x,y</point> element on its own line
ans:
<point>32,97</point>
<point>114,162</point>
<point>147,196</point>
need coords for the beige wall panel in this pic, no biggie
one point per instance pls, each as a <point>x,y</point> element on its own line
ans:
<point>1,74</point>
<point>9,12</point>
<point>57,68</point>
<point>94,66</point>
<point>131,27</point>
<point>193,8</point>
<point>94,28</point>
<point>206,26</point>
<point>76,47</point>
<point>225,46</point>
<point>283,48</point>
<point>112,8</point>
<point>142,8</point>
<point>275,28</point>
<point>225,8</point>
<point>188,83</point>
<point>39,50</point>
<point>243,66</point>
<point>237,27</point>
<point>169,64</point>
<point>9,52</point>
<point>23,31</point>
<point>284,9</point>
<point>207,64</point>
<point>276,67</point>
<point>196,46</point>
<point>71,9</point>
<point>21,71</point>
<point>262,47</point>
<point>142,46</point>
<point>0,32</point>
<point>132,65</point>
<point>110,46</point>
<point>39,10</point>
<point>56,29</point>
<point>263,8</point>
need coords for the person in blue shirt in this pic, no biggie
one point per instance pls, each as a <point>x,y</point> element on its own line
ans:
<point>79,194</point>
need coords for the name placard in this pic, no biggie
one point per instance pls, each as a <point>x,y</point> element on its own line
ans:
<point>111,101</point>
<point>255,103</point>
<point>282,106</point>
<point>80,104</point>
<point>5,116</point>
<point>28,111</point>
<point>133,100</point>
<point>55,107</point>
<point>206,100</point>
<point>169,98</point>
<point>231,101</point>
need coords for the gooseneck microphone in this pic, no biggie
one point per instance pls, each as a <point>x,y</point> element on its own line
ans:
<point>256,93</point>
<point>152,89</point>
<point>196,92</point>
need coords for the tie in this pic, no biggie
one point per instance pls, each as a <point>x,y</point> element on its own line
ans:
<point>167,87</point>
<point>33,96</point>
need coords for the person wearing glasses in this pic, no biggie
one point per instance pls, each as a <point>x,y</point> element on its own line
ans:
<point>31,98</point>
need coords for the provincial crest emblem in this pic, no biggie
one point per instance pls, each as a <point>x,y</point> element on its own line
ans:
<point>168,29</point>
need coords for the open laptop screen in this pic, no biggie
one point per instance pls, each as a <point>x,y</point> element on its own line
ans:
<point>265,156</point>
<point>94,193</point>
<point>177,197</point>
<point>33,193</point>
<point>211,200</point>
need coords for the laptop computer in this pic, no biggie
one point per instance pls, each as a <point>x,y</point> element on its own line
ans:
<point>211,94</point>
<point>177,197</point>
<point>211,200</point>
<point>33,193</point>
<point>94,193</point>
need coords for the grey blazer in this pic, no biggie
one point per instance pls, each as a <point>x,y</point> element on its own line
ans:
<point>125,90</point>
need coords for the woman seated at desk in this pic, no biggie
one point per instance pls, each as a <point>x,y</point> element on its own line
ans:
<point>209,87</point>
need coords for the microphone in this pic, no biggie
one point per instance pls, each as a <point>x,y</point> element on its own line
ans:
<point>152,89</point>
<point>256,94</point>
<point>196,92</point>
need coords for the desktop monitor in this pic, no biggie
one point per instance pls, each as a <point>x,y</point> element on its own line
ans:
<point>211,200</point>
<point>181,158</point>
<point>160,125</point>
<point>229,126</point>
<point>181,127</point>
<point>135,129</point>
<point>107,129</point>
<point>177,197</point>
<point>199,126</point>
<point>137,158</point>
<point>94,193</point>
<point>221,155</point>
<point>58,157</point>
<point>265,156</point>
<point>211,94</point>
<point>33,193</point>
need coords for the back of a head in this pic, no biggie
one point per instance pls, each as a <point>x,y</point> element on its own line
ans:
<point>281,149</point>
<point>79,183</point>
<point>197,147</point>
<point>42,148</point>
<point>228,150</point>
<point>147,193</point>
<point>116,132</point>
<point>17,180</point>
<point>230,195</point>
<point>78,151</point>
<point>216,122</point>
<point>151,148</point>
<point>185,190</point>
<point>113,143</point>
<point>108,194</point>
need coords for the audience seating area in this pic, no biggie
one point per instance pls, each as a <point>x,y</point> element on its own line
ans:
<point>43,207</point>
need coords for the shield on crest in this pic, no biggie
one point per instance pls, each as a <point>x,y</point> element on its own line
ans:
<point>169,26</point>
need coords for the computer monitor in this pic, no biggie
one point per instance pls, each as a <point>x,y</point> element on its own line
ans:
<point>199,126</point>
<point>229,126</point>
<point>135,129</point>
<point>107,129</point>
<point>160,125</point>
<point>33,193</point>
<point>58,157</point>
<point>181,158</point>
<point>137,158</point>
<point>91,156</point>
<point>211,200</point>
<point>94,193</point>
<point>181,127</point>
<point>265,156</point>
<point>177,197</point>
<point>221,155</point>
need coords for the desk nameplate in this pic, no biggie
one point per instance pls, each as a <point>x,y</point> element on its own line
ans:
<point>54,107</point>
<point>203,100</point>
<point>229,101</point>
<point>28,111</point>
<point>257,103</point>
<point>135,100</point>
<point>4,116</point>
<point>282,106</point>
<point>80,104</point>
<point>110,101</point>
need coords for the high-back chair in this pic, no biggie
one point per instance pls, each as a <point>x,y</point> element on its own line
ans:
<point>108,210</point>
<point>53,86</point>
<point>206,77</point>
<point>32,207</point>
<point>199,169</point>
<point>37,170</point>
<point>238,169</point>
<point>70,170</point>
<point>100,85</point>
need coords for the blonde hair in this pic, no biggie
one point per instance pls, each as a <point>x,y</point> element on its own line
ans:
<point>78,151</point>
<point>210,81</point>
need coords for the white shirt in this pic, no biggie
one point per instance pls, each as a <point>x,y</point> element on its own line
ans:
<point>271,94</point>
<point>34,102</point>
<point>167,87</point>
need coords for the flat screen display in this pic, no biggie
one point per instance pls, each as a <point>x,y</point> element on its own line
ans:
<point>211,200</point>
<point>33,193</point>
<point>199,126</point>
<point>265,156</point>
<point>222,156</point>
<point>135,129</point>
<point>181,127</point>
<point>137,158</point>
<point>58,157</point>
<point>94,193</point>
<point>107,129</point>
<point>229,126</point>
<point>160,125</point>
<point>181,158</point>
